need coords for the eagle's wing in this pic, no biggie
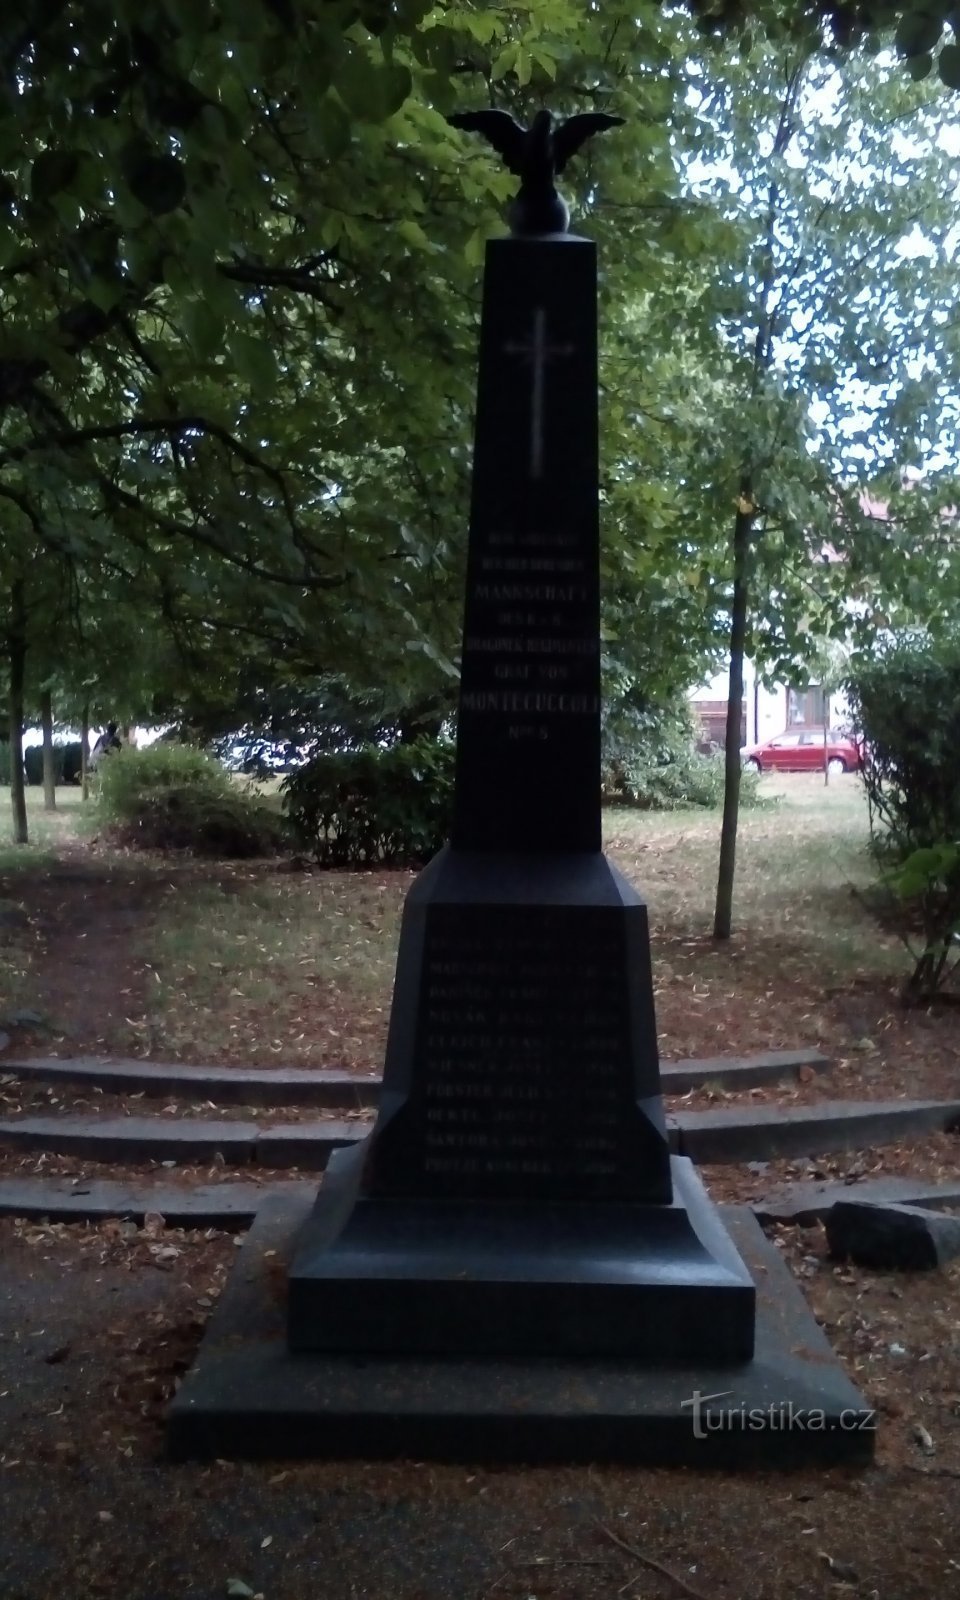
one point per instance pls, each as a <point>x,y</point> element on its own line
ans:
<point>500,129</point>
<point>571,134</point>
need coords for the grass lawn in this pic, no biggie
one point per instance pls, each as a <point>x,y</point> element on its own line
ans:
<point>48,829</point>
<point>301,965</point>
<point>221,961</point>
<point>20,939</point>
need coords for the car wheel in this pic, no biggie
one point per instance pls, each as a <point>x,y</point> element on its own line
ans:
<point>836,764</point>
<point>752,765</point>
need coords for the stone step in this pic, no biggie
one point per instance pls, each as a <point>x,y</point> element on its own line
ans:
<point>805,1204</point>
<point>732,1134</point>
<point>331,1088</point>
<point>739,1072</point>
<point>231,1205</point>
<point>187,1141</point>
<point>765,1133</point>
<point>250,1086</point>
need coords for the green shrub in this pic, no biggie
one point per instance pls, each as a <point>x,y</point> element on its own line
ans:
<point>373,807</point>
<point>928,883</point>
<point>5,763</point>
<point>907,701</point>
<point>650,763</point>
<point>66,763</point>
<point>175,797</point>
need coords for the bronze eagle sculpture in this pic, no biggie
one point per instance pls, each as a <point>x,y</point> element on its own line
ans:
<point>536,154</point>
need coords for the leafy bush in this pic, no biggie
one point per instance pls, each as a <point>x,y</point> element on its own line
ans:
<point>907,701</point>
<point>66,763</point>
<point>175,797</point>
<point>373,807</point>
<point>652,764</point>
<point>5,763</point>
<point>928,881</point>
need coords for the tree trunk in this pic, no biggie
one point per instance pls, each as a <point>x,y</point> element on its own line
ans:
<point>745,518</point>
<point>742,528</point>
<point>49,758</point>
<point>85,751</point>
<point>826,758</point>
<point>18,660</point>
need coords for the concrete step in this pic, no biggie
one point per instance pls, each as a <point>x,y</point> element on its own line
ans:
<point>766,1133</point>
<point>233,1204</point>
<point>805,1204</point>
<point>737,1134</point>
<point>332,1088</point>
<point>230,1205</point>
<point>187,1141</point>
<point>250,1086</point>
<point>739,1072</point>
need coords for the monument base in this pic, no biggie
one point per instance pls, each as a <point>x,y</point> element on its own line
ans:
<point>653,1283</point>
<point>249,1396</point>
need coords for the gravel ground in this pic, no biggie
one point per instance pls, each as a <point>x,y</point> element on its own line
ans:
<point>96,1326</point>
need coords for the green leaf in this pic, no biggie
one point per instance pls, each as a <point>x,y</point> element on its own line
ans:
<point>330,125</point>
<point>105,292</point>
<point>411,233</point>
<point>52,171</point>
<point>373,91</point>
<point>920,67</point>
<point>203,328</point>
<point>396,83</point>
<point>157,181</point>
<point>504,62</point>
<point>948,66</point>
<point>254,359</point>
<point>918,32</point>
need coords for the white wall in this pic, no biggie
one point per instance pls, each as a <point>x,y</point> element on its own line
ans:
<point>766,708</point>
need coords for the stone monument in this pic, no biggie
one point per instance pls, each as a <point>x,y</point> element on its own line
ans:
<point>516,1193</point>
<point>517,1199</point>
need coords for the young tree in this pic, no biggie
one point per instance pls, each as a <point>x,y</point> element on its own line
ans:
<point>823,173</point>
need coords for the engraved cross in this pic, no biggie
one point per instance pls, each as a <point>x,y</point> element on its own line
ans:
<point>538,352</point>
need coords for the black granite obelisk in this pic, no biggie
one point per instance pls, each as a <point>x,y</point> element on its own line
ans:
<point>511,1267</point>
<point>517,1192</point>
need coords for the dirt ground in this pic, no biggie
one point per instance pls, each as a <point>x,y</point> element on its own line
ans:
<point>98,1324</point>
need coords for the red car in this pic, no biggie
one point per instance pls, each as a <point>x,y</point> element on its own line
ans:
<point>802,750</point>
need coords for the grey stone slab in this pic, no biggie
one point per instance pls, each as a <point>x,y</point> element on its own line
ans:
<point>276,1086</point>
<point>739,1072</point>
<point>216,1205</point>
<point>307,1144</point>
<point>247,1396</point>
<point>752,1133</point>
<point>804,1204</point>
<point>891,1236</point>
<point>133,1138</point>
